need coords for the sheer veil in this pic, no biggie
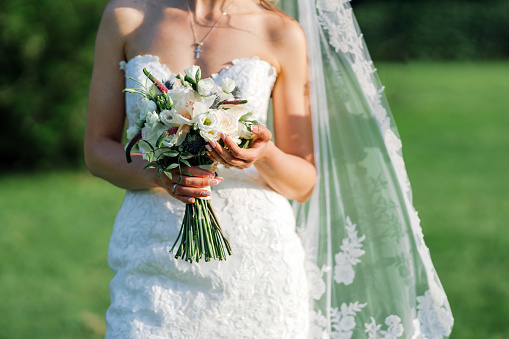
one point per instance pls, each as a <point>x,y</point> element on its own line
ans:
<point>370,273</point>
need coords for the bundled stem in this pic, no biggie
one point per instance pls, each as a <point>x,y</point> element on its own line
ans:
<point>200,234</point>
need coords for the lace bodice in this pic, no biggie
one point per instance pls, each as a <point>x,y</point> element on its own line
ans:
<point>260,291</point>
<point>254,76</point>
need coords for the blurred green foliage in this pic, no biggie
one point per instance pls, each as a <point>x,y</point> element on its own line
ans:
<point>47,59</point>
<point>429,30</point>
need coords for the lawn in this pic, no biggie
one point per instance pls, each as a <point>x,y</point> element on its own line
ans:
<point>453,123</point>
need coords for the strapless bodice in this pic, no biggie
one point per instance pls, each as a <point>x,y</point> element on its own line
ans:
<point>254,77</point>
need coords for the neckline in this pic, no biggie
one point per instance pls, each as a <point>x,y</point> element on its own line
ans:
<point>213,75</point>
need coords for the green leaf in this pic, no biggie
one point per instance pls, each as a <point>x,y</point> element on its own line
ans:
<point>159,172</point>
<point>184,161</point>
<point>172,166</point>
<point>171,153</point>
<point>168,174</point>
<point>186,156</point>
<point>246,116</point>
<point>187,173</point>
<point>151,165</point>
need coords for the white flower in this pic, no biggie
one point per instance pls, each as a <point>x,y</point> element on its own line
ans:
<point>193,72</point>
<point>151,120</point>
<point>205,86</point>
<point>244,132</point>
<point>170,118</point>
<point>210,135</point>
<point>228,85</point>
<point>151,134</point>
<point>238,110</point>
<point>228,124</point>
<point>208,122</point>
<point>146,105</point>
<point>132,131</point>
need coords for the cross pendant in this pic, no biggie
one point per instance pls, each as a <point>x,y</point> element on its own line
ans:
<point>197,52</point>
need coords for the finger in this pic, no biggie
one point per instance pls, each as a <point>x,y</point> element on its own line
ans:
<point>261,132</point>
<point>196,181</point>
<point>221,152</point>
<point>184,199</point>
<point>198,172</point>
<point>226,158</point>
<point>190,191</point>
<point>213,155</point>
<point>234,149</point>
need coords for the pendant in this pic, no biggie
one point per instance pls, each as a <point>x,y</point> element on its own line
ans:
<point>197,51</point>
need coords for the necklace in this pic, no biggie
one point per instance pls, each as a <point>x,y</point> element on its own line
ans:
<point>197,43</point>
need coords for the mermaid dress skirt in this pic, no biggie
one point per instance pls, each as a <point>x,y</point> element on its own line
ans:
<point>260,291</point>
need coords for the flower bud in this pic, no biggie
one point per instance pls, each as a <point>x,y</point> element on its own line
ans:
<point>228,85</point>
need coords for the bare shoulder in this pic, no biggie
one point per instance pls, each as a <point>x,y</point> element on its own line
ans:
<point>288,40</point>
<point>122,17</point>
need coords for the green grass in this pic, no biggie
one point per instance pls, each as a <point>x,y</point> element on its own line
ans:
<point>453,120</point>
<point>453,123</point>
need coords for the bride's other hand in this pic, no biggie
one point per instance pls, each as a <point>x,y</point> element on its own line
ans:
<point>237,157</point>
<point>187,188</point>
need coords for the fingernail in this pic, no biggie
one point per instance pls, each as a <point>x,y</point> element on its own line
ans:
<point>220,178</point>
<point>254,128</point>
<point>213,182</point>
<point>223,136</point>
<point>213,144</point>
<point>208,148</point>
<point>212,174</point>
<point>191,200</point>
<point>205,193</point>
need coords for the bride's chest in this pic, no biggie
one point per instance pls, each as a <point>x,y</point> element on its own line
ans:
<point>254,77</point>
<point>171,37</point>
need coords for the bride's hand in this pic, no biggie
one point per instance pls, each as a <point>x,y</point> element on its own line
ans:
<point>238,157</point>
<point>189,187</point>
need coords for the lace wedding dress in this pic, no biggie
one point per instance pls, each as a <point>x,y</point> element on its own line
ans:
<point>260,291</point>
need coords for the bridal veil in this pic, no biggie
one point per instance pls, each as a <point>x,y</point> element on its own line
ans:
<point>370,273</point>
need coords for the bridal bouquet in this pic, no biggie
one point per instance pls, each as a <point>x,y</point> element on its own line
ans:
<point>176,120</point>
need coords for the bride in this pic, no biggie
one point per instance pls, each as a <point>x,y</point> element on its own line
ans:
<point>352,265</point>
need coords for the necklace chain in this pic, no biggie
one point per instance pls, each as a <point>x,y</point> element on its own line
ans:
<point>197,43</point>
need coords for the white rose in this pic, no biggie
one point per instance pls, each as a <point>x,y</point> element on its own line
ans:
<point>193,72</point>
<point>208,122</point>
<point>170,118</point>
<point>228,85</point>
<point>228,123</point>
<point>205,86</point>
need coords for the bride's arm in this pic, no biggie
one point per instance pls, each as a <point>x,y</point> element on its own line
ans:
<point>104,153</point>
<point>288,165</point>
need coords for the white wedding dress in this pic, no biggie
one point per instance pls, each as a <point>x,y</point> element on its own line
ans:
<point>260,291</point>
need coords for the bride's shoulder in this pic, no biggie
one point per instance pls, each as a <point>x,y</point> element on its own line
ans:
<point>124,16</point>
<point>288,39</point>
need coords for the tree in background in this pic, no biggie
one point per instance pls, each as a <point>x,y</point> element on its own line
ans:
<point>47,59</point>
